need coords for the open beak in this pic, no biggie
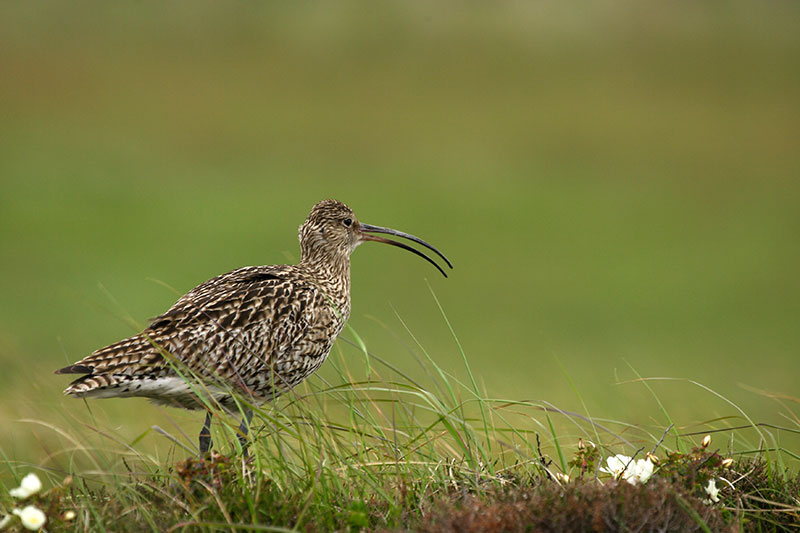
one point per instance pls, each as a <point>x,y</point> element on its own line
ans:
<point>377,229</point>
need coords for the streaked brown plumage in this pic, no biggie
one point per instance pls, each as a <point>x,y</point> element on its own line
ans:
<point>257,330</point>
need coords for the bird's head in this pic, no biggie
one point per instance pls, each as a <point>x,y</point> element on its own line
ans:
<point>331,233</point>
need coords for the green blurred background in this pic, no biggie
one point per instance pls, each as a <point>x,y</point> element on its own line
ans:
<point>616,184</point>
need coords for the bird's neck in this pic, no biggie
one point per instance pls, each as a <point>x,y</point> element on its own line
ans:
<point>333,277</point>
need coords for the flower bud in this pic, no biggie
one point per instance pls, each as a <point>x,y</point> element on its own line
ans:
<point>727,463</point>
<point>652,458</point>
<point>706,441</point>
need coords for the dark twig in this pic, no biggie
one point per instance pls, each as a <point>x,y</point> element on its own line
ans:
<point>662,438</point>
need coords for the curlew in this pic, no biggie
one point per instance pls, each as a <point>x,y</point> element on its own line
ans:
<point>258,331</point>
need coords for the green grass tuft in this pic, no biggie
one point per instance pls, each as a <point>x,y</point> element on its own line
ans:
<point>391,452</point>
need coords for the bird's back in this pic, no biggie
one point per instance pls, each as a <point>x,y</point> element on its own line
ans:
<point>257,330</point>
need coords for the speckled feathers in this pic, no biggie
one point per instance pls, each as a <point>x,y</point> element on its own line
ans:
<point>258,331</point>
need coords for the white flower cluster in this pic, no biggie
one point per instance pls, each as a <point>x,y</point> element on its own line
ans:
<point>32,517</point>
<point>623,467</point>
<point>30,485</point>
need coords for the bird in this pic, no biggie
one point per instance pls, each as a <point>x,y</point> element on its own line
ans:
<point>255,332</point>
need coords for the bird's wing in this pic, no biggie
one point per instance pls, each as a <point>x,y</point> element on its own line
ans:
<point>247,315</point>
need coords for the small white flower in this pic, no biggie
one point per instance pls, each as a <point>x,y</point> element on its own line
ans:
<point>642,472</point>
<point>5,521</point>
<point>712,491</point>
<point>32,517</point>
<point>69,515</point>
<point>30,485</point>
<point>616,465</point>
<point>622,467</point>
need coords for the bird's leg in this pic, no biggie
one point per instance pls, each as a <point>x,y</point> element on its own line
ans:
<point>205,435</point>
<point>244,428</point>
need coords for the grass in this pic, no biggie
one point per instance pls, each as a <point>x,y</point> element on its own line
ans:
<point>391,452</point>
<point>616,185</point>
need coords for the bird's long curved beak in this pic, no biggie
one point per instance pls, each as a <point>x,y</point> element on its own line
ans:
<point>378,229</point>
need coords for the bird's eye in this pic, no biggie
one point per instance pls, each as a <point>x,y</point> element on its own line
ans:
<point>348,222</point>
